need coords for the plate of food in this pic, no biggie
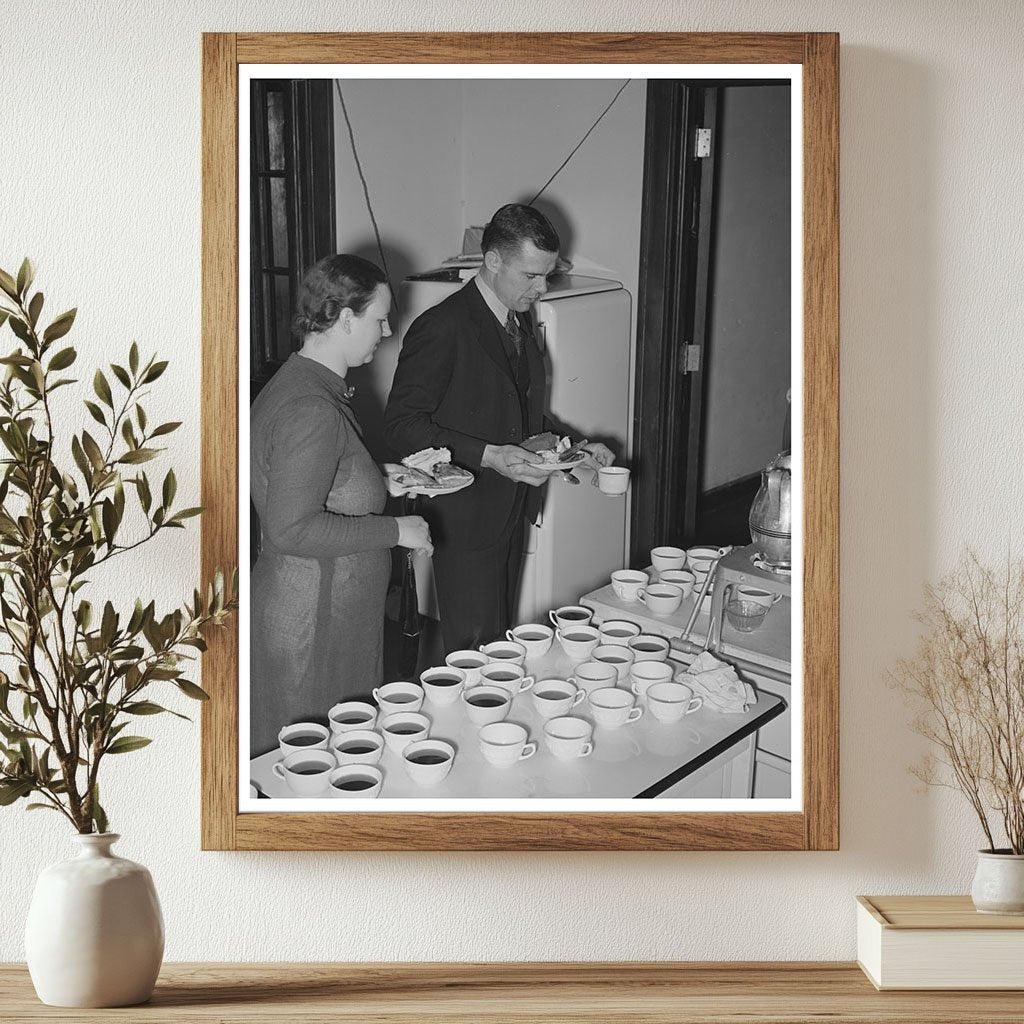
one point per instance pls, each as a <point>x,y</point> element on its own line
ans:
<point>430,471</point>
<point>558,453</point>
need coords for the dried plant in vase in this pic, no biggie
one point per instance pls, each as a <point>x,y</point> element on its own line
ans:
<point>966,682</point>
<point>75,671</point>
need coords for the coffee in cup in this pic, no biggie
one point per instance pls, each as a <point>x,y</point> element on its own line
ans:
<point>684,579</point>
<point>403,728</point>
<point>620,658</point>
<point>570,616</point>
<point>306,772</point>
<point>592,675</point>
<point>645,674</point>
<point>504,744</point>
<point>486,704</point>
<point>627,583</point>
<point>649,647</point>
<point>442,686</point>
<point>618,631</point>
<point>351,714</point>
<point>661,598</point>
<point>358,746</point>
<point>504,651</point>
<point>359,781</point>
<point>663,558</point>
<point>553,698</point>
<point>507,675</point>
<point>428,762</point>
<point>398,696</point>
<point>578,642</point>
<point>469,662</point>
<point>302,736</point>
<point>534,637</point>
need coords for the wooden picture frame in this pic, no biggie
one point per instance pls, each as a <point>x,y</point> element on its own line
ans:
<point>816,827</point>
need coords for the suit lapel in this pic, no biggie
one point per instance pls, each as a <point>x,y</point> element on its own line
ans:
<point>487,328</point>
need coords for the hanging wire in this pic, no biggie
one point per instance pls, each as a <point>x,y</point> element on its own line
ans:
<point>580,143</point>
<point>366,193</point>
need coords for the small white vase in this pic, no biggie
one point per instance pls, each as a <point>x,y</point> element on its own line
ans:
<point>999,883</point>
<point>95,934</point>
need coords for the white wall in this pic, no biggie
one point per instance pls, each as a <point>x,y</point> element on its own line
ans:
<point>101,184</point>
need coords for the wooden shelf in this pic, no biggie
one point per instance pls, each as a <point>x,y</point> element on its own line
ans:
<point>524,993</point>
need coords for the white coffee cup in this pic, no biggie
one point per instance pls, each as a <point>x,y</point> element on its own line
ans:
<point>592,675</point>
<point>306,772</point>
<point>569,616</point>
<point>612,707</point>
<point>508,676</point>
<point>504,744</point>
<point>579,642</point>
<point>645,674</point>
<point>554,698</point>
<point>505,651</point>
<point>356,782</point>
<point>665,557</point>
<point>756,595</point>
<point>535,637</point>
<point>428,762</point>
<point>398,696</point>
<point>702,557</point>
<point>661,598</point>
<point>618,631</point>
<point>684,579</point>
<point>403,728</point>
<point>486,704</point>
<point>568,738</point>
<point>302,736</point>
<point>443,685</point>
<point>619,658</point>
<point>351,714</point>
<point>468,661</point>
<point>627,583</point>
<point>670,701</point>
<point>613,479</point>
<point>649,647</point>
<point>357,746</point>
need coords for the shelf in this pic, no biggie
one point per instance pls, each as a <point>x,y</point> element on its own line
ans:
<point>524,993</point>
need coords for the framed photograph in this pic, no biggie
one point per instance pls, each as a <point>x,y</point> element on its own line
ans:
<point>520,419</point>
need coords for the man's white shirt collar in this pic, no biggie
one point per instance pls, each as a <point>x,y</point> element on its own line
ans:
<point>494,304</point>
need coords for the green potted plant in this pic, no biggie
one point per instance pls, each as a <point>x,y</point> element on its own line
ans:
<point>966,681</point>
<point>78,672</point>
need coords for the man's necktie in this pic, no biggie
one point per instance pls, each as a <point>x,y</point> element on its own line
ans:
<point>515,332</point>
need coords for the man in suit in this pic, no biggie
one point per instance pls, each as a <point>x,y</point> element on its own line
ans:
<point>470,378</point>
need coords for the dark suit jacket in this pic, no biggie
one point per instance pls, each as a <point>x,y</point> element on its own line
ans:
<point>454,388</point>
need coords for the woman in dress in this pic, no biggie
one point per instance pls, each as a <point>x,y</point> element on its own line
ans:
<point>318,586</point>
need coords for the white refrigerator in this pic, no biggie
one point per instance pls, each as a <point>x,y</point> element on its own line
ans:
<point>583,329</point>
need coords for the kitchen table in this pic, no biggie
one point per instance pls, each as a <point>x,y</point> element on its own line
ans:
<point>639,760</point>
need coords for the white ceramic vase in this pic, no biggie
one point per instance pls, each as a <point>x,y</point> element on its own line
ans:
<point>999,883</point>
<point>95,934</point>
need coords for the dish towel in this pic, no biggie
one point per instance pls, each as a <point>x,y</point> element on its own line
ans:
<point>718,684</point>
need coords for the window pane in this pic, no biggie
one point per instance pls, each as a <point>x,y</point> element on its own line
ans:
<point>275,130</point>
<point>283,304</point>
<point>279,222</point>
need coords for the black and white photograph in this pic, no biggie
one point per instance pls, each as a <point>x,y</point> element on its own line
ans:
<point>521,523</point>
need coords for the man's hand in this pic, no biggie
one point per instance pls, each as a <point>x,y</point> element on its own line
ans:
<point>598,456</point>
<point>514,462</point>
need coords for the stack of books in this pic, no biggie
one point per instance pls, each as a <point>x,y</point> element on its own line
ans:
<point>938,942</point>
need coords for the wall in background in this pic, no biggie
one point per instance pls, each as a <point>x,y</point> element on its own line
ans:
<point>102,187</point>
